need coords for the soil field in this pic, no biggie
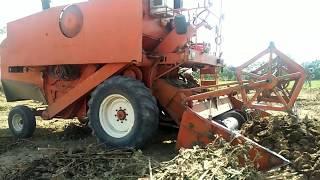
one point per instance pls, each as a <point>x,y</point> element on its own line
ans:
<point>64,149</point>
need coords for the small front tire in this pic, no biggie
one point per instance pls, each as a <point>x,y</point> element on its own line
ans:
<point>22,122</point>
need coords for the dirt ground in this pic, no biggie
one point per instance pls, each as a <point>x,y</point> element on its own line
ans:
<point>57,135</point>
<point>68,141</point>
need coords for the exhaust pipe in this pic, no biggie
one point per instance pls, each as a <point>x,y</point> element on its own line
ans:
<point>45,4</point>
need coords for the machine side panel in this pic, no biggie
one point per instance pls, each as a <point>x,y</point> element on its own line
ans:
<point>111,32</point>
<point>22,86</point>
<point>18,90</point>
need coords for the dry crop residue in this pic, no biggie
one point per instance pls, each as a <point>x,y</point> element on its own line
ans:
<point>297,140</point>
<point>90,163</point>
<point>218,160</point>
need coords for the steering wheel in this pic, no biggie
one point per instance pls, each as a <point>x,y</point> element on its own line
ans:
<point>201,18</point>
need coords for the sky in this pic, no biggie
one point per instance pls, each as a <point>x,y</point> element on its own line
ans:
<point>248,27</point>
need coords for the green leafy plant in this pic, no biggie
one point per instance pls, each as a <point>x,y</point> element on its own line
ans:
<point>3,30</point>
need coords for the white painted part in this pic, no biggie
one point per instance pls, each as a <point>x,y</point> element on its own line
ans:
<point>196,56</point>
<point>108,119</point>
<point>222,105</point>
<point>232,123</point>
<point>161,7</point>
<point>17,122</point>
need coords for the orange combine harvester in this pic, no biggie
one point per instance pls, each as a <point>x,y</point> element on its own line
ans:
<point>123,66</point>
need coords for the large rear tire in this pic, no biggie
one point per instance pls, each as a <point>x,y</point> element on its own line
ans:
<point>123,113</point>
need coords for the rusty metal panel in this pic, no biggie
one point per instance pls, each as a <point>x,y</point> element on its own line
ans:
<point>111,32</point>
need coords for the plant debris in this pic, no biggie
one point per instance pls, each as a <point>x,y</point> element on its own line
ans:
<point>74,131</point>
<point>84,164</point>
<point>8,144</point>
<point>296,140</point>
<point>218,160</point>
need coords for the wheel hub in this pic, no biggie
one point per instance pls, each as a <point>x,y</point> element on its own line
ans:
<point>121,115</point>
<point>17,122</point>
<point>116,116</point>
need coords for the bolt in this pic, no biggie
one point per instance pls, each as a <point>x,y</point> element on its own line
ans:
<point>191,126</point>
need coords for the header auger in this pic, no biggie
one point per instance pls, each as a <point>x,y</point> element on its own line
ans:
<point>123,65</point>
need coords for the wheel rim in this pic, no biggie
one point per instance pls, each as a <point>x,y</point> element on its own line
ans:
<point>116,116</point>
<point>17,122</point>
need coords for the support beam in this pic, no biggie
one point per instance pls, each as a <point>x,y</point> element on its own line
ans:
<point>83,88</point>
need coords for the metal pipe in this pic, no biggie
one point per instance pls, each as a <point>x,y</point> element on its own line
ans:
<point>45,4</point>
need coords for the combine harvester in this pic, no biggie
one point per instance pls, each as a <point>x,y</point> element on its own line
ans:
<point>120,66</point>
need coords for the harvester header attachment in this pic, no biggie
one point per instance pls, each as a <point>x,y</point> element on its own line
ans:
<point>266,86</point>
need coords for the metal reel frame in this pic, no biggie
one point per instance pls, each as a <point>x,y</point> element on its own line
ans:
<point>272,80</point>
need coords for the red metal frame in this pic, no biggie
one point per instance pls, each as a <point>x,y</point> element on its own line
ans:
<point>280,99</point>
<point>277,71</point>
<point>86,86</point>
<point>196,130</point>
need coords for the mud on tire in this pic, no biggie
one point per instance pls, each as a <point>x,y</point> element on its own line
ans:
<point>123,113</point>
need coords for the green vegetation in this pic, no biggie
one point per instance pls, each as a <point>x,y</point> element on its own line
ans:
<point>312,69</point>
<point>315,84</point>
<point>228,74</point>
<point>3,30</point>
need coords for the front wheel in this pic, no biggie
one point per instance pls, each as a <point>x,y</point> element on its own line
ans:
<point>123,113</point>
<point>22,122</point>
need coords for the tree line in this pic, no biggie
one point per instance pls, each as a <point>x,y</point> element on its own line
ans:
<point>312,69</point>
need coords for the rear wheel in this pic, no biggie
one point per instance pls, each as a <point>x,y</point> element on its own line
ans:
<point>123,113</point>
<point>22,122</point>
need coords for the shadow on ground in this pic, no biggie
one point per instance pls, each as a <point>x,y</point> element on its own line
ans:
<point>19,156</point>
<point>161,147</point>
